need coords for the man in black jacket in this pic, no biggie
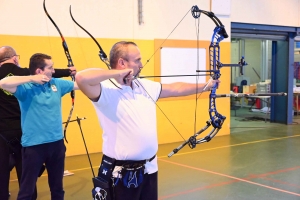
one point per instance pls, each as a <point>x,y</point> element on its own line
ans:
<point>10,119</point>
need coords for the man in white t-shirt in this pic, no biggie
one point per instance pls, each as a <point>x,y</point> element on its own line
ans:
<point>126,109</point>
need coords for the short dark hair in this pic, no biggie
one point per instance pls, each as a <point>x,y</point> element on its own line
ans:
<point>37,61</point>
<point>119,50</point>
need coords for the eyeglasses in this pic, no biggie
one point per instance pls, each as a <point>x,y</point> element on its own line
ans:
<point>17,56</point>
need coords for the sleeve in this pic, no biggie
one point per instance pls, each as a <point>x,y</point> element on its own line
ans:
<point>17,71</point>
<point>61,73</point>
<point>153,88</point>
<point>65,86</point>
<point>20,93</point>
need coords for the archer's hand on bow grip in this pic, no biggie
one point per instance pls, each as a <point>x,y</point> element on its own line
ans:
<point>73,71</point>
<point>216,83</point>
<point>212,84</point>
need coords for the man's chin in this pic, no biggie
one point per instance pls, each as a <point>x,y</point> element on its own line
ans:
<point>137,75</point>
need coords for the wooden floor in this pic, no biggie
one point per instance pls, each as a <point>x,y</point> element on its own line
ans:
<point>259,160</point>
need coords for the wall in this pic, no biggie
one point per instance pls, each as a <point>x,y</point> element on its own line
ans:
<point>25,26</point>
<point>276,12</point>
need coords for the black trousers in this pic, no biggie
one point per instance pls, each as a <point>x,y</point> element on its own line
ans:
<point>6,151</point>
<point>146,191</point>
<point>33,157</point>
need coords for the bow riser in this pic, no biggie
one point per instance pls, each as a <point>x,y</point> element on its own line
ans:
<point>67,53</point>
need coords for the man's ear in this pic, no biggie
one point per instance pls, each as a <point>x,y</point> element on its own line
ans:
<point>15,60</point>
<point>38,71</point>
<point>121,63</point>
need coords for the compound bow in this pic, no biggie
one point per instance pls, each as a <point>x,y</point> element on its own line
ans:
<point>216,119</point>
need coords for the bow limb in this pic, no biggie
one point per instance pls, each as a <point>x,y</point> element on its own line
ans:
<point>70,64</point>
<point>102,54</point>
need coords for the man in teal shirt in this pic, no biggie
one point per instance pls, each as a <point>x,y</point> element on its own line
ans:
<point>39,96</point>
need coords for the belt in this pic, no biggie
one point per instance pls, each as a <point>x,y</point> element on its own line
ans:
<point>122,162</point>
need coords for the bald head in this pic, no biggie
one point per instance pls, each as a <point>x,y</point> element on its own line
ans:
<point>7,54</point>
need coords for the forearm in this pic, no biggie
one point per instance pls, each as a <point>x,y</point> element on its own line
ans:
<point>10,83</point>
<point>14,81</point>
<point>182,89</point>
<point>185,89</point>
<point>61,73</point>
<point>94,76</point>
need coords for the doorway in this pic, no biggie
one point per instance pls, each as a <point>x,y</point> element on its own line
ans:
<point>269,50</point>
<point>254,78</point>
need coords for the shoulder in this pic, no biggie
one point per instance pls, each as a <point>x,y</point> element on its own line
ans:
<point>62,82</point>
<point>149,83</point>
<point>10,69</point>
<point>22,89</point>
<point>110,83</point>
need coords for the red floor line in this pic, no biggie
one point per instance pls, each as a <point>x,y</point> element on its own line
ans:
<point>277,171</point>
<point>281,182</point>
<point>224,175</point>
<point>197,189</point>
<point>233,181</point>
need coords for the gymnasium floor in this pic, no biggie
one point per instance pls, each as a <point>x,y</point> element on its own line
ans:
<point>259,160</point>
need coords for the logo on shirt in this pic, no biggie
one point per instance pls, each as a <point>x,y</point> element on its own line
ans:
<point>53,87</point>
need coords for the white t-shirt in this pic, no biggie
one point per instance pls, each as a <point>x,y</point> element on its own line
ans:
<point>128,119</point>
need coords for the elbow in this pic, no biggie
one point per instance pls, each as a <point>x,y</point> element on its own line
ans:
<point>2,84</point>
<point>79,78</point>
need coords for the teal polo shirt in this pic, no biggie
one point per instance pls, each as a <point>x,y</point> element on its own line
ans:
<point>40,105</point>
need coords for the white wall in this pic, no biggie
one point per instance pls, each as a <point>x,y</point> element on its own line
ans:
<point>272,12</point>
<point>104,18</point>
<point>119,18</point>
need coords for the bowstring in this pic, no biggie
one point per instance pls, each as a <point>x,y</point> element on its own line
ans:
<point>160,109</point>
<point>198,95</point>
<point>160,47</point>
<point>197,77</point>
